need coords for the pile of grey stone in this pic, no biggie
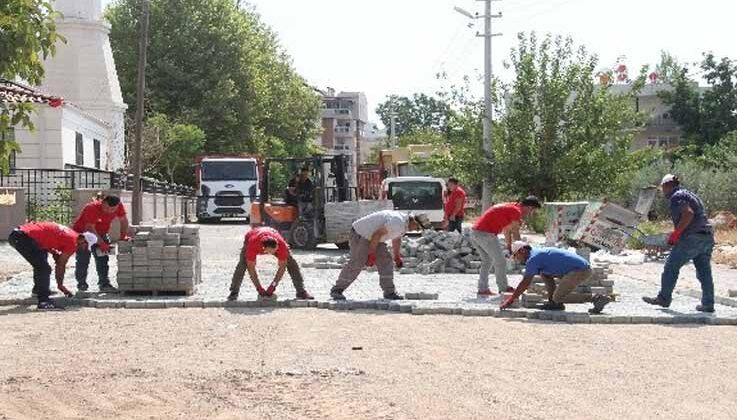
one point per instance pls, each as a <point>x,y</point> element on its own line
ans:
<point>160,259</point>
<point>599,284</point>
<point>443,252</point>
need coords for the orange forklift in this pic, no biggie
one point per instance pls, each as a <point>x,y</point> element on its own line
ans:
<point>303,224</point>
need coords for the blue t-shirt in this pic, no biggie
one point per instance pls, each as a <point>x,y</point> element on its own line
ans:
<point>681,197</point>
<point>554,262</point>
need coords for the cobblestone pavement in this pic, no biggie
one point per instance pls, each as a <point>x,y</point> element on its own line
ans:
<point>457,292</point>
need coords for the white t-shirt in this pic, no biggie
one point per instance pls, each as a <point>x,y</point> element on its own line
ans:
<point>395,223</point>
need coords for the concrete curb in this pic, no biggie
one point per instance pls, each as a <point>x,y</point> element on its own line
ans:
<point>385,306</point>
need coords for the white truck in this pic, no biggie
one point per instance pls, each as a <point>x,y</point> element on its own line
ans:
<point>418,194</point>
<point>226,186</point>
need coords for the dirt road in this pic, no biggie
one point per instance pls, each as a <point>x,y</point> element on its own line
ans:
<point>310,364</point>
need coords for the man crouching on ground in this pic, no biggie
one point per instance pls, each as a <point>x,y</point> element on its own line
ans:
<point>552,263</point>
<point>266,241</point>
<point>368,247</point>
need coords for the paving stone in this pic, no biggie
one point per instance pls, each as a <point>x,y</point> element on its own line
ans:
<point>155,304</point>
<point>298,304</point>
<point>174,304</point>
<point>405,308</point>
<point>135,304</point>
<point>621,320</point>
<point>641,320</point>
<point>600,319</point>
<point>214,304</point>
<point>578,318</point>
<point>323,305</point>
<point>108,304</point>
<point>725,321</point>
<point>419,311</point>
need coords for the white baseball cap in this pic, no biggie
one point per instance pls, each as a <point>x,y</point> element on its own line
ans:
<point>517,245</point>
<point>91,239</point>
<point>668,178</point>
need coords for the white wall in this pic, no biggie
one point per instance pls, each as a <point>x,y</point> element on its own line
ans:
<point>76,122</point>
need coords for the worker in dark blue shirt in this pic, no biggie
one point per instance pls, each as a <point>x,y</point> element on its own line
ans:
<point>692,240</point>
<point>568,267</point>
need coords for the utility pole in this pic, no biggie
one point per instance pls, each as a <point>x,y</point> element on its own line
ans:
<point>140,91</point>
<point>392,133</point>
<point>488,150</point>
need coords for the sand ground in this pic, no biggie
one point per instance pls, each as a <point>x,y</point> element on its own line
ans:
<point>301,364</point>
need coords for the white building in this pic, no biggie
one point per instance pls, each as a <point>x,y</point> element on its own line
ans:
<point>373,137</point>
<point>88,130</point>
<point>344,118</point>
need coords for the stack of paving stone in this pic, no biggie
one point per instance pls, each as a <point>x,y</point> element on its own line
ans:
<point>160,259</point>
<point>443,252</point>
<point>599,284</point>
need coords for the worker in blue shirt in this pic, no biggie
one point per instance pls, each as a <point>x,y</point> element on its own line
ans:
<point>692,240</point>
<point>553,263</point>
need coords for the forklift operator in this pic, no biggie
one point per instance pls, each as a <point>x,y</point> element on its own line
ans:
<point>305,187</point>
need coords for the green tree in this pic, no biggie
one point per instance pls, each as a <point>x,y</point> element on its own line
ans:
<point>705,118</point>
<point>564,135</point>
<point>217,66</point>
<point>27,37</point>
<point>419,112</point>
<point>171,149</point>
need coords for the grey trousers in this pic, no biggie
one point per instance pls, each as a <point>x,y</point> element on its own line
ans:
<point>292,268</point>
<point>491,252</point>
<point>359,256</point>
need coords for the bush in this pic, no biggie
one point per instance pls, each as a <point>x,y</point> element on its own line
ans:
<point>647,228</point>
<point>537,222</point>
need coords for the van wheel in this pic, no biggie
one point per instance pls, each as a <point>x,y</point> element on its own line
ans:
<point>302,236</point>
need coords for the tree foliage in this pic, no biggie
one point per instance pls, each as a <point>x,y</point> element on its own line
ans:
<point>418,113</point>
<point>564,135</point>
<point>27,37</point>
<point>217,66</point>
<point>707,117</point>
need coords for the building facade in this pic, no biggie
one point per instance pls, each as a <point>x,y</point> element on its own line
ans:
<point>373,138</point>
<point>344,119</point>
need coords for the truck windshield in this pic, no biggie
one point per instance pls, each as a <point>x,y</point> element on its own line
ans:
<point>416,195</point>
<point>229,171</point>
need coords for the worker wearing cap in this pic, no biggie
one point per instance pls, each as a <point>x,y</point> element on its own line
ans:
<point>266,241</point>
<point>505,217</point>
<point>553,263</point>
<point>34,241</point>
<point>368,247</point>
<point>692,240</point>
<point>97,217</point>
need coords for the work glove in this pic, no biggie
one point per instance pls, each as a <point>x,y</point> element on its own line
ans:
<point>674,237</point>
<point>272,288</point>
<point>398,261</point>
<point>507,303</point>
<point>260,290</point>
<point>371,261</point>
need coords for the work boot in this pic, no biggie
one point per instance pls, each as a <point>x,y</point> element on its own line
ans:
<point>552,306</point>
<point>600,301</point>
<point>49,306</point>
<point>486,292</point>
<point>658,301</point>
<point>337,294</point>
<point>303,295</point>
<point>82,287</point>
<point>233,296</point>
<point>108,288</point>
<point>393,296</point>
<point>704,308</point>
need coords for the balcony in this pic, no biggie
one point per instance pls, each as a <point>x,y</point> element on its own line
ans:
<point>343,131</point>
<point>339,113</point>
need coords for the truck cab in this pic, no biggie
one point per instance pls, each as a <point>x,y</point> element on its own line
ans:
<point>227,186</point>
<point>418,194</point>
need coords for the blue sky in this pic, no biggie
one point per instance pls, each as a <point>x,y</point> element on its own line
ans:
<point>385,47</point>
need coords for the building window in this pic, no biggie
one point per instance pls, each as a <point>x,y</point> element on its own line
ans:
<point>79,149</point>
<point>663,141</point>
<point>96,146</point>
<point>652,142</point>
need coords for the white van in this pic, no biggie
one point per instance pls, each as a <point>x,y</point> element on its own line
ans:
<point>418,194</point>
<point>227,186</point>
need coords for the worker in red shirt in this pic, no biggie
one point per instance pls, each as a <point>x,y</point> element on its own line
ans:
<point>505,217</point>
<point>97,217</point>
<point>34,241</point>
<point>266,241</point>
<point>455,205</point>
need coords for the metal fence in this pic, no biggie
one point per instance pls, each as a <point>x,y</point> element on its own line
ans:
<point>49,191</point>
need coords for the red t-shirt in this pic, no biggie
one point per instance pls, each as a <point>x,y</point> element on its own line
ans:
<point>255,236</point>
<point>450,203</point>
<point>93,214</point>
<point>498,217</point>
<point>52,237</point>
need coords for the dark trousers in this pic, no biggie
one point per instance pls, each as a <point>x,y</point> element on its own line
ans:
<point>38,259</point>
<point>102,264</point>
<point>292,268</point>
<point>456,225</point>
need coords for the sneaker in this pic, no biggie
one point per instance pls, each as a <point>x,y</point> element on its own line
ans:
<point>304,295</point>
<point>656,301</point>
<point>108,288</point>
<point>82,287</point>
<point>704,308</point>
<point>393,296</point>
<point>486,292</point>
<point>49,306</point>
<point>232,296</point>
<point>337,295</point>
<point>552,306</point>
<point>600,301</point>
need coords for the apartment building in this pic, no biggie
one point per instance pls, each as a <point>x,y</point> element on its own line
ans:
<point>344,119</point>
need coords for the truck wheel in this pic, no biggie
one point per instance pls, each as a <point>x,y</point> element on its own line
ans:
<point>302,236</point>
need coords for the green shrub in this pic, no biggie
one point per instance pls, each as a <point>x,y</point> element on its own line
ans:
<point>647,228</point>
<point>537,222</point>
